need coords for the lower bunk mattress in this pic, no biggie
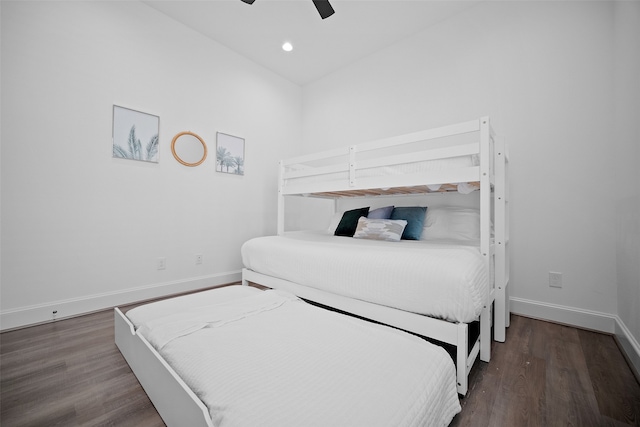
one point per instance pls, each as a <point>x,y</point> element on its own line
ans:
<point>442,279</point>
<point>268,358</point>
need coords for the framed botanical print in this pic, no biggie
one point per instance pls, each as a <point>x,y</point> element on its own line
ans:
<point>229,154</point>
<point>135,135</point>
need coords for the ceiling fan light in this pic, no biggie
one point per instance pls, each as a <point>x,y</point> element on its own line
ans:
<point>287,47</point>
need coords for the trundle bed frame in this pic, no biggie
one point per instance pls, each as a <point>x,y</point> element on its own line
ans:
<point>316,368</point>
<point>366,170</point>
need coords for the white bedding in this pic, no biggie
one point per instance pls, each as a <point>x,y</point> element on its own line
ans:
<point>267,358</point>
<point>442,279</point>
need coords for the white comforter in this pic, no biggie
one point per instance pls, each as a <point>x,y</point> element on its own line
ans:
<point>446,280</point>
<point>269,359</point>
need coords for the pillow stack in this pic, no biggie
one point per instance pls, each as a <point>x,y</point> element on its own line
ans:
<point>408,223</point>
<point>388,223</point>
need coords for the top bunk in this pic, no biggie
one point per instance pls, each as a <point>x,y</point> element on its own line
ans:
<point>457,158</point>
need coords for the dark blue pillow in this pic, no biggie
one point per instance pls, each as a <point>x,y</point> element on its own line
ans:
<point>414,215</point>
<point>381,213</point>
<point>349,222</point>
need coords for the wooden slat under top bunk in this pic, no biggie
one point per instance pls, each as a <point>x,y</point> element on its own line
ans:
<point>372,192</point>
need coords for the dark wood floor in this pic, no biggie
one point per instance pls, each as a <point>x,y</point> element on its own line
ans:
<point>547,374</point>
<point>70,373</point>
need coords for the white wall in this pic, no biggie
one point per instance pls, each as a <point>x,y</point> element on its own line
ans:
<point>544,73</point>
<point>82,230</point>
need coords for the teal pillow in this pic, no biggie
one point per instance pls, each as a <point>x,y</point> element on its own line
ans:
<point>349,221</point>
<point>414,215</point>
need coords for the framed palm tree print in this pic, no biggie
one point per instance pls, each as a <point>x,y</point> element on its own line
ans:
<point>229,154</point>
<point>135,135</point>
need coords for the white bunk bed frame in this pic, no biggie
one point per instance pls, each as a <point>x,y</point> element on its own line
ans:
<point>490,175</point>
<point>178,405</point>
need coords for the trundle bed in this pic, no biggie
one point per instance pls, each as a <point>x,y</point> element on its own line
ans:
<point>434,285</point>
<point>240,356</point>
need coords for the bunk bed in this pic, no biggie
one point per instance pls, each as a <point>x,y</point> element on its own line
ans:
<point>240,356</point>
<point>461,158</point>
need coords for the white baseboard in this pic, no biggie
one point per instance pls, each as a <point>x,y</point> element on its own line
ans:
<point>629,345</point>
<point>597,321</point>
<point>31,315</point>
<point>586,319</point>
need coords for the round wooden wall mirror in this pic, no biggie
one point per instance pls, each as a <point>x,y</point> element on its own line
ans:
<point>189,149</point>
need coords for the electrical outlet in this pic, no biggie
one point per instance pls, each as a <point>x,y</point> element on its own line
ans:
<point>198,258</point>
<point>555,279</point>
<point>162,263</point>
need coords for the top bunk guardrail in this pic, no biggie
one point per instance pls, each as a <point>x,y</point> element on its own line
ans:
<point>451,158</point>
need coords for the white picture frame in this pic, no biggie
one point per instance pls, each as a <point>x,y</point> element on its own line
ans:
<point>135,135</point>
<point>229,154</point>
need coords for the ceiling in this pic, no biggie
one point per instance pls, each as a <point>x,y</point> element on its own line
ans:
<point>357,29</point>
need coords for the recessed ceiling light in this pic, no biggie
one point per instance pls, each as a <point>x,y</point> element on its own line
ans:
<point>287,47</point>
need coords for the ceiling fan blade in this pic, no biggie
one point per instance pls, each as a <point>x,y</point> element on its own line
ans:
<point>324,8</point>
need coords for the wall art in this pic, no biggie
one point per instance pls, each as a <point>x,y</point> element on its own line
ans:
<point>229,154</point>
<point>135,135</point>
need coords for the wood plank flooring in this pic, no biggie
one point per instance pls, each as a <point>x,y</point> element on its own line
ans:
<point>547,374</point>
<point>70,373</point>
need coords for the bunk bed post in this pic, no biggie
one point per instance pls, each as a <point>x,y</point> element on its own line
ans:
<point>462,350</point>
<point>507,262</point>
<point>485,232</point>
<point>501,241</point>
<point>280,198</point>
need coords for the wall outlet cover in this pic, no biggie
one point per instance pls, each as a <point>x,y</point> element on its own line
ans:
<point>555,279</point>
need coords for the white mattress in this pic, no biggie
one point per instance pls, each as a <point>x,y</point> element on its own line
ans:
<point>446,280</point>
<point>267,358</point>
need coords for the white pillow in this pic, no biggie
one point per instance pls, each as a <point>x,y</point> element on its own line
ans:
<point>448,222</point>
<point>335,220</point>
<point>380,229</point>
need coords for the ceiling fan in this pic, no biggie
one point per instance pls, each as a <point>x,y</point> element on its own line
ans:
<point>324,8</point>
